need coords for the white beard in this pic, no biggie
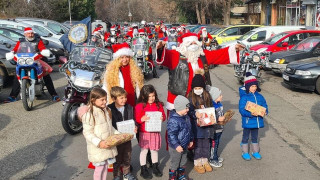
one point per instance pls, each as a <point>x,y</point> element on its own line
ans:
<point>192,56</point>
<point>204,34</point>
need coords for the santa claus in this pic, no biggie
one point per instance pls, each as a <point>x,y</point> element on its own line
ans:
<point>190,59</point>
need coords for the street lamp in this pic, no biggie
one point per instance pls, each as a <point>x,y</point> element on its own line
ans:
<point>130,16</point>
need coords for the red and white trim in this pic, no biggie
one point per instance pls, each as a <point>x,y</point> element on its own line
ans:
<point>233,55</point>
<point>123,52</point>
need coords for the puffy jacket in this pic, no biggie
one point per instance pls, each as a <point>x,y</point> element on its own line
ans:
<point>249,121</point>
<point>97,130</point>
<point>179,130</point>
<point>140,111</point>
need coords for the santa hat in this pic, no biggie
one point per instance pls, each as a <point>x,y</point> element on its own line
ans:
<point>28,30</point>
<point>121,50</point>
<point>96,31</point>
<point>141,31</point>
<point>250,80</point>
<point>203,28</point>
<point>113,27</point>
<point>188,37</point>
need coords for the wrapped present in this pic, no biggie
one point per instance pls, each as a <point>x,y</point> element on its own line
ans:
<point>228,116</point>
<point>117,139</point>
<point>127,126</point>
<point>155,122</point>
<point>208,118</point>
<point>255,108</point>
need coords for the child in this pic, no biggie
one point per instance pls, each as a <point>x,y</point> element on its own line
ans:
<point>97,126</point>
<point>199,98</point>
<point>179,137</point>
<point>251,122</point>
<point>148,101</point>
<point>216,96</point>
<point>121,111</point>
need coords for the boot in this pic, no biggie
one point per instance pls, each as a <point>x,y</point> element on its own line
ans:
<point>155,170</point>
<point>172,174</point>
<point>181,173</point>
<point>245,152</point>
<point>145,174</point>
<point>255,151</point>
<point>154,73</point>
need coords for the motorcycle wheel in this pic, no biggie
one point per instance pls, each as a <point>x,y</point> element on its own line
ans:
<point>69,118</point>
<point>27,104</point>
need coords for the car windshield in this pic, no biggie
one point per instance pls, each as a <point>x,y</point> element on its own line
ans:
<point>11,34</point>
<point>246,35</point>
<point>41,31</point>
<point>4,39</point>
<point>139,44</point>
<point>26,47</point>
<point>307,44</point>
<point>218,31</point>
<point>274,39</point>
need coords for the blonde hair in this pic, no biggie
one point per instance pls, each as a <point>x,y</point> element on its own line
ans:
<point>117,91</point>
<point>111,76</point>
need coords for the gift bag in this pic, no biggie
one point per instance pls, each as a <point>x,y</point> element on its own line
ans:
<point>117,139</point>
<point>228,116</point>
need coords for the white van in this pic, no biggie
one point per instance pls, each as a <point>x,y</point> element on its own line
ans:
<point>258,35</point>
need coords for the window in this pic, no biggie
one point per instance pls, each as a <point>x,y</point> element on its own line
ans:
<point>230,32</point>
<point>57,28</point>
<point>243,30</point>
<point>259,36</point>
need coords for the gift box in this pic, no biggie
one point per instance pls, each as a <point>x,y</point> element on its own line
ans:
<point>255,108</point>
<point>208,118</point>
<point>127,126</point>
<point>228,116</point>
<point>155,122</point>
<point>117,139</point>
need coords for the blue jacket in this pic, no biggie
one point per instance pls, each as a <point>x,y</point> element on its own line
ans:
<point>219,112</point>
<point>249,121</point>
<point>179,130</point>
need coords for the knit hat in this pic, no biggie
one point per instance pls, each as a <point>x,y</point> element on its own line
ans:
<point>181,103</point>
<point>250,80</point>
<point>198,81</point>
<point>214,92</point>
<point>28,29</point>
<point>121,50</point>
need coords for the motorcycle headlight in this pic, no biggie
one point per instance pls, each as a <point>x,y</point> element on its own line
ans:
<point>83,83</point>
<point>139,53</point>
<point>146,53</point>
<point>113,40</point>
<point>21,61</point>
<point>139,64</point>
<point>255,58</point>
<point>29,61</point>
<point>303,73</point>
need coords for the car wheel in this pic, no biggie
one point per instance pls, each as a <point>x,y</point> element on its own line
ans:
<point>4,74</point>
<point>317,86</point>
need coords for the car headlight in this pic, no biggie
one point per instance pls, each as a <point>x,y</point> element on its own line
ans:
<point>255,58</point>
<point>303,73</point>
<point>29,61</point>
<point>21,61</point>
<point>139,53</point>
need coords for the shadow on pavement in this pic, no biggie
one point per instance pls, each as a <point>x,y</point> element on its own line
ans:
<point>315,113</point>
<point>5,120</point>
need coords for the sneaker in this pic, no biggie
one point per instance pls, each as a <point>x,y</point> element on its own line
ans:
<point>56,98</point>
<point>10,99</point>
<point>116,178</point>
<point>207,167</point>
<point>215,164</point>
<point>246,156</point>
<point>256,155</point>
<point>220,159</point>
<point>128,176</point>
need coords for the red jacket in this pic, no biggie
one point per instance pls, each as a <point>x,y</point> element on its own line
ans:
<point>140,112</point>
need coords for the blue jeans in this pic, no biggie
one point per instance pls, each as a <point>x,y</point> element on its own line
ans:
<point>216,139</point>
<point>246,134</point>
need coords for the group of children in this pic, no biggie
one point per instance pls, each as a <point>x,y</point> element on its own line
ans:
<point>184,134</point>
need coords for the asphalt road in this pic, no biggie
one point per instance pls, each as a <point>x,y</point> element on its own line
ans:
<point>35,146</point>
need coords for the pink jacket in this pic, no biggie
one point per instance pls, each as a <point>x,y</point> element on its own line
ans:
<point>140,112</point>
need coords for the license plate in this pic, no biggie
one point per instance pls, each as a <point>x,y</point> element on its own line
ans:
<point>285,77</point>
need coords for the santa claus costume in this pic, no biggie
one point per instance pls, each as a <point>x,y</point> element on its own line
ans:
<point>127,76</point>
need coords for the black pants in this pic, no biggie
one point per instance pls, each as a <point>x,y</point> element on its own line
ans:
<point>47,81</point>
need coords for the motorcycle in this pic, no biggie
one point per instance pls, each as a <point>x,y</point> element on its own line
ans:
<point>250,61</point>
<point>209,44</point>
<point>140,47</point>
<point>83,70</point>
<point>29,72</point>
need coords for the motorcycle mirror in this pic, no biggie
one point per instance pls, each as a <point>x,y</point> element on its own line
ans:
<point>45,52</point>
<point>8,45</point>
<point>9,55</point>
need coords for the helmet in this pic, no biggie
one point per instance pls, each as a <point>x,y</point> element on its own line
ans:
<point>143,22</point>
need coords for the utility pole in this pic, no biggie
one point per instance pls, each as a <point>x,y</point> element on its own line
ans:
<point>70,12</point>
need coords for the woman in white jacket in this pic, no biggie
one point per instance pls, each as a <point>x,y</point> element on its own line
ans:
<point>97,126</point>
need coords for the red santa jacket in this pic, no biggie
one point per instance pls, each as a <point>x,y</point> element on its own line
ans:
<point>170,59</point>
<point>140,111</point>
<point>200,36</point>
<point>40,46</point>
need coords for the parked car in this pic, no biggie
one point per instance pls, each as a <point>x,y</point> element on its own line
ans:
<point>190,26</point>
<point>20,25</point>
<point>260,34</point>
<point>285,40</point>
<point>233,32</point>
<point>43,28</point>
<point>196,27</point>
<point>6,68</point>
<point>305,49</point>
<point>16,34</point>
<point>54,25</point>
<point>209,29</point>
<point>69,25</point>
<point>168,26</point>
<point>304,74</point>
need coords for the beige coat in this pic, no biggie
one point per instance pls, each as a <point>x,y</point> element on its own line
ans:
<point>96,131</point>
